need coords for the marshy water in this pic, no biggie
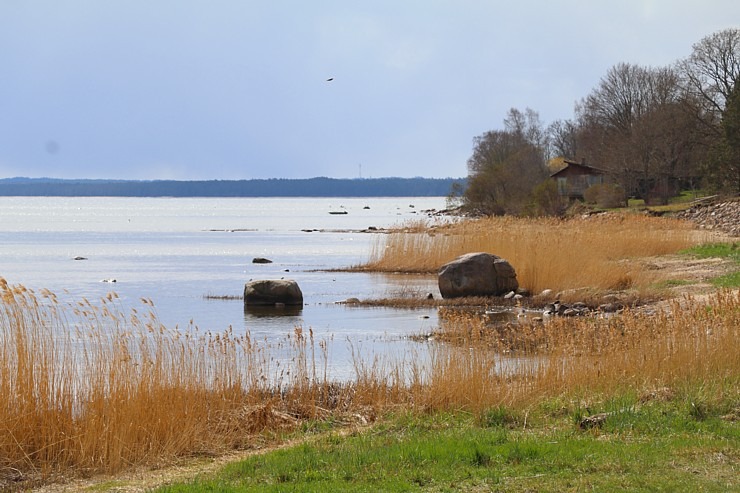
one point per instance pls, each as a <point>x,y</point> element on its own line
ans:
<point>183,254</point>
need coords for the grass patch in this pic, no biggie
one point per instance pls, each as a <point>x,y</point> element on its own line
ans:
<point>731,280</point>
<point>672,283</point>
<point>716,250</point>
<point>720,250</point>
<point>655,447</point>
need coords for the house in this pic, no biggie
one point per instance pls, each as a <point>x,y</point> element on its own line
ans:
<point>575,178</point>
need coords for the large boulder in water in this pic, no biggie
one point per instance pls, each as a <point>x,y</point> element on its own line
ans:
<point>273,292</point>
<point>477,274</point>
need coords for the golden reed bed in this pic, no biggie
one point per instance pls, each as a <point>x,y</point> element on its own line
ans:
<point>86,389</point>
<point>547,253</point>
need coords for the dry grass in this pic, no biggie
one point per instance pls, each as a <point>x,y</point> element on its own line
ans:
<point>692,343</point>
<point>546,253</point>
<point>87,389</point>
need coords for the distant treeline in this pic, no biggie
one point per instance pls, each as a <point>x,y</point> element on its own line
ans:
<point>275,187</point>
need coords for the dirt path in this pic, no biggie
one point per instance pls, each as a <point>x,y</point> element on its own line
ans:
<point>146,479</point>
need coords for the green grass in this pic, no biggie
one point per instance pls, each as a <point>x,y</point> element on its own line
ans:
<point>731,280</point>
<point>720,250</point>
<point>675,204</point>
<point>657,446</point>
<point>671,283</point>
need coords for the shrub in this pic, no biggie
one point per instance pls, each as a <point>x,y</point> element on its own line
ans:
<point>547,201</point>
<point>606,195</point>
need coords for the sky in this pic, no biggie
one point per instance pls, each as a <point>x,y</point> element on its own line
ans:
<point>227,89</point>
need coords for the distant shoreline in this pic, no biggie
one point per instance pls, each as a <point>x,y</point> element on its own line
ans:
<point>274,187</point>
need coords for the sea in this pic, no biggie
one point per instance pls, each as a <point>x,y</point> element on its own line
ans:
<point>192,257</point>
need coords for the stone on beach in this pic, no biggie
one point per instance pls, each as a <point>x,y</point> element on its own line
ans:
<point>477,274</point>
<point>272,292</point>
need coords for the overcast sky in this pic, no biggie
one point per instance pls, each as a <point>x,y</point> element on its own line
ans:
<point>222,89</point>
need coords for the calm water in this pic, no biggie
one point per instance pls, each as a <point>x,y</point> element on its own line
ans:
<point>177,251</point>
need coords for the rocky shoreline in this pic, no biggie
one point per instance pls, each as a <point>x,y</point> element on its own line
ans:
<point>721,216</point>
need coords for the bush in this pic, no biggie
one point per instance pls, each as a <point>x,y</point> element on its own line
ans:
<point>546,201</point>
<point>606,195</point>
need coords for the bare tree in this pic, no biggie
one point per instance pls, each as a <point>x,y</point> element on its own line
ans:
<point>526,125</point>
<point>723,163</point>
<point>506,165</point>
<point>710,74</point>
<point>563,138</point>
<point>632,125</point>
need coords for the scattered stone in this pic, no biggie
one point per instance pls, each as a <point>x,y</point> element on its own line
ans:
<point>546,292</point>
<point>349,301</point>
<point>477,274</point>
<point>662,394</point>
<point>609,308</point>
<point>595,421</point>
<point>509,295</point>
<point>273,292</point>
<point>261,260</point>
<point>430,296</point>
<point>565,310</point>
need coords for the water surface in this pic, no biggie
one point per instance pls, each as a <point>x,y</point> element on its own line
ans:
<point>179,251</point>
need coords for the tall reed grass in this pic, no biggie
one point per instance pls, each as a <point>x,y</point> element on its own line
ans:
<point>546,252</point>
<point>692,343</point>
<point>85,388</point>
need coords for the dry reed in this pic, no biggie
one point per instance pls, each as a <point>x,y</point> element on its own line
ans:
<point>546,252</point>
<point>86,389</point>
<point>692,342</point>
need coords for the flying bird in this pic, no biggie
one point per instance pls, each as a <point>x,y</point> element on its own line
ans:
<point>330,79</point>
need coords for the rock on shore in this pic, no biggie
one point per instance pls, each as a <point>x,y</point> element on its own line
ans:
<point>477,274</point>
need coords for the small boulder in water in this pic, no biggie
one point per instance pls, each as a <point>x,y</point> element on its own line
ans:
<point>273,292</point>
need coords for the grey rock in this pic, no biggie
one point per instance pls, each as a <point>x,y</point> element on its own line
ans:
<point>273,292</point>
<point>477,274</point>
<point>349,301</point>
<point>609,307</point>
